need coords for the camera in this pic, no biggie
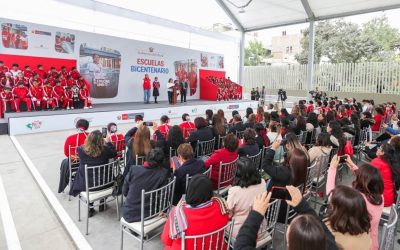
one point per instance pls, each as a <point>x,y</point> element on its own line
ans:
<point>342,159</point>
<point>104,132</point>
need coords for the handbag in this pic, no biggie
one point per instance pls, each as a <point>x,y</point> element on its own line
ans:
<point>118,183</point>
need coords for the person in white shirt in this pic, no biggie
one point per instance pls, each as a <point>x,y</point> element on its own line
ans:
<point>15,70</point>
<point>170,87</point>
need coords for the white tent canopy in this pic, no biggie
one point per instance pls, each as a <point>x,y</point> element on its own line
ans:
<point>264,14</point>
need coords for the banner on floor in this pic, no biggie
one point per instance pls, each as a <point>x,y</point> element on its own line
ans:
<point>114,67</point>
<point>39,124</point>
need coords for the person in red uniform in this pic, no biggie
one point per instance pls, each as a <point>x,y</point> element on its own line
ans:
<point>37,95</point>
<point>74,73</point>
<point>164,127</point>
<point>69,97</point>
<point>16,40</point>
<point>53,72</point>
<point>7,81</point>
<point>37,78</point>
<point>186,126</point>
<point>3,69</point>
<point>59,96</point>
<point>20,78</point>
<point>146,88</point>
<point>6,36</point>
<point>378,117</point>
<point>6,99</point>
<point>64,72</point>
<point>21,94</point>
<point>41,72</point>
<point>82,81</point>
<point>226,154</point>
<point>84,95</point>
<point>52,81</point>
<point>27,72</point>
<point>69,81</point>
<point>48,93</point>
<point>74,141</point>
<point>310,107</point>
<point>116,138</point>
<point>63,81</point>
<point>193,79</point>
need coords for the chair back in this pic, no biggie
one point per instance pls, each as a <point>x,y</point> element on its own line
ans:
<point>321,169</point>
<point>221,141</point>
<point>140,159</point>
<point>309,181</point>
<point>271,216</point>
<point>189,177</point>
<point>239,134</point>
<point>256,159</point>
<point>226,173</point>
<point>216,240</point>
<point>389,230</point>
<point>98,177</point>
<point>156,202</point>
<point>205,148</point>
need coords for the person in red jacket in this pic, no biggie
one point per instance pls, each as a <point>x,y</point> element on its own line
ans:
<point>82,81</point>
<point>7,80</point>
<point>48,93</point>
<point>74,141</point>
<point>226,154</point>
<point>310,107</point>
<point>146,88</point>
<point>37,78</point>
<point>37,95</point>
<point>28,72</point>
<point>387,164</point>
<point>199,213</point>
<point>6,98</point>
<point>164,127</point>
<point>6,36</point>
<point>186,126</point>
<point>52,81</point>
<point>21,94</point>
<point>53,72</point>
<point>69,81</point>
<point>84,95</point>
<point>116,138</point>
<point>71,94</point>
<point>74,73</point>
<point>59,96</point>
<point>64,72</point>
<point>20,78</point>
<point>378,117</point>
<point>40,71</point>
<point>193,79</point>
<point>3,69</point>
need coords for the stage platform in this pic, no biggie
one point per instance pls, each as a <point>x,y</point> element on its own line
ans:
<point>120,113</point>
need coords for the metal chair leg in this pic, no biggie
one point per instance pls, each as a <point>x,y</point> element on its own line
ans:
<point>117,203</point>
<point>122,237</point>
<point>87,218</point>
<point>79,209</point>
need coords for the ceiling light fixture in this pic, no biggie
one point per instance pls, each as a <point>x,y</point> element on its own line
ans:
<point>242,7</point>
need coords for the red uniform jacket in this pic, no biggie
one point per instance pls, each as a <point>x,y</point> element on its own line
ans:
<point>7,81</point>
<point>164,129</point>
<point>146,83</point>
<point>70,82</point>
<point>75,74</point>
<point>74,141</point>
<point>64,73</point>
<point>21,93</point>
<point>54,74</point>
<point>48,91</point>
<point>198,220</point>
<point>28,74</point>
<point>84,94</point>
<point>185,126</point>
<point>42,74</point>
<point>118,142</point>
<point>51,81</point>
<point>221,155</point>
<point>39,80</point>
<point>310,108</point>
<point>377,125</point>
<point>17,80</point>
<point>58,92</point>
<point>388,186</point>
<point>3,70</point>
<point>38,92</point>
<point>83,82</point>
<point>6,96</point>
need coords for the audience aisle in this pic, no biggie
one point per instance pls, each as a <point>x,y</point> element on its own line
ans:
<point>36,224</point>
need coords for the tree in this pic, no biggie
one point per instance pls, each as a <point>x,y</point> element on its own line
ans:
<point>254,53</point>
<point>342,41</point>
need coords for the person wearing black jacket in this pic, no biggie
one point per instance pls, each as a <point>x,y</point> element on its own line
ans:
<point>203,132</point>
<point>250,147</point>
<point>320,240</point>
<point>150,176</point>
<point>238,125</point>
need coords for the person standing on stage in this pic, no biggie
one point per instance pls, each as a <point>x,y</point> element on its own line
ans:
<point>184,86</point>
<point>156,89</point>
<point>146,88</point>
<point>170,87</point>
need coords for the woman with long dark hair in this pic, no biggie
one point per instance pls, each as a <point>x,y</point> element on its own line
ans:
<point>368,181</point>
<point>337,138</point>
<point>378,117</point>
<point>260,114</point>
<point>300,125</point>
<point>330,116</point>
<point>209,114</point>
<point>261,138</point>
<point>249,111</point>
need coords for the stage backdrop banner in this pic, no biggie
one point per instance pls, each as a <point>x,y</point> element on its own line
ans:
<point>114,67</point>
<point>39,124</point>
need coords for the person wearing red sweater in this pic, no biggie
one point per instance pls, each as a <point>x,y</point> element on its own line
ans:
<point>74,73</point>
<point>48,93</point>
<point>20,78</point>
<point>40,71</point>
<point>37,95</point>
<point>163,128</point>
<point>69,96</point>
<point>310,107</point>
<point>74,141</point>
<point>3,69</point>
<point>37,78</point>
<point>378,119</point>
<point>64,72</point>
<point>199,213</point>
<point>21,94</point>
<point>84,95</point>
<point>70,81</point>
<point>186,126</point>
<point>28,72</point>
<point>385,155</point>
<point>60,96</point>
<point>7,80</point>
<point>6,97</point>
<point>226,154</point>
<point>146,88</point>
<point>52,81</point>
<point>116,139</point>
<point>53,72</point>
<point>82,81</point>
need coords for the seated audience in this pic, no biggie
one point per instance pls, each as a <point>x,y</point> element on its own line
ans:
<point>116,138</point>
<point>251,121</point>
<point>238,125</point>
<point>221,114</point>
<point>321,147</point>
<point>209,115</point>
<point>249,146</point>
<point>199,213</point>
<point>203,132</point>
<point>140,146</point>
<point>260,114</point>
<point>149,176</point>
<point>261,136</point>
<point>188,165</point>
<point>378,117</point>
<point>130,135</point>
<point>164,127</point>
<point>235,112</point>
<point>218,129</point>
<point>186,126</point>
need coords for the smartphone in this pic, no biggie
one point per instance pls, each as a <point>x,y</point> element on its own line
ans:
<point>342,159</point>
<point>104,132</point>
<point>149,124</point>
<point>280,193</point>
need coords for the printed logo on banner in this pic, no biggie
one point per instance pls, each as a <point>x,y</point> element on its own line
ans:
<point>34,125</point>
<point>130,116</point>
<point>235,106</point>
<point>89,119</point>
